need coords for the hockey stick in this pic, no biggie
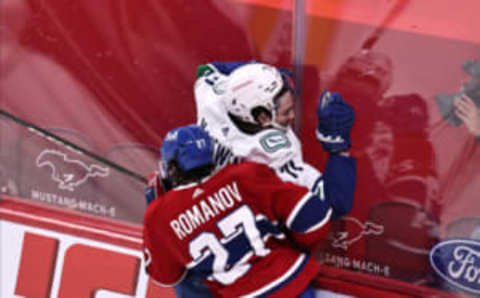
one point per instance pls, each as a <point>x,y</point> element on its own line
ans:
<point>394,12</point>
<point>71,146</point>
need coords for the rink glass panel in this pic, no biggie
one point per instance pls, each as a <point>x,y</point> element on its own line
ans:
<point>113,76</point>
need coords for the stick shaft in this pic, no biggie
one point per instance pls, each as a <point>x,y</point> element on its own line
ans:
<point>71,146</point>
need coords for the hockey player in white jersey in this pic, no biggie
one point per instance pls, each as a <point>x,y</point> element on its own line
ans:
<point>239,106</point>
<point>248,109</point>
<point>225,106</point>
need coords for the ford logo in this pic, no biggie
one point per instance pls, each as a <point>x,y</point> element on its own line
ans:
<point>458,262</point>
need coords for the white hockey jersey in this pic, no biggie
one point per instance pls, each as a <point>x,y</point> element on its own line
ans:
<point>278,148</point>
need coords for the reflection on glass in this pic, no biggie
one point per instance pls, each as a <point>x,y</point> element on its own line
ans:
<point>36,88</point>
<point>397,178</point>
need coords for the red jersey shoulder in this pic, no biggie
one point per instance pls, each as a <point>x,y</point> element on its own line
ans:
<point>152,209</point>
<point>161,207</point>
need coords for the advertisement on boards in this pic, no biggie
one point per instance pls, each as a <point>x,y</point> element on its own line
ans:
<point>38,263</point>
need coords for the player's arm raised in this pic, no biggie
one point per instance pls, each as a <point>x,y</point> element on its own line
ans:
<point>304,214</point>
<point>335,121</point>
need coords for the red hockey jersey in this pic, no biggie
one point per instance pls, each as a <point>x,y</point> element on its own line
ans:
<point>228,230</point>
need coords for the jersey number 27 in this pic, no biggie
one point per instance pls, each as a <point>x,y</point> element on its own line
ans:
<point>240,221</point>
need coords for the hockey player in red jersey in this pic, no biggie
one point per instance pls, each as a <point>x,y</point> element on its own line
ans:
<point>240,229</point>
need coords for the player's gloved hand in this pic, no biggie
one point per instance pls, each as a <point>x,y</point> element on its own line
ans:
<point>154,188</point>
<point>335,121</point>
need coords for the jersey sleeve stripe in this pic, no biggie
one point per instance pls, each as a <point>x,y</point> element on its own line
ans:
<point>319,225</point>
<point>293,214</point>
<point>312,213</point>
<point>165,285</point>
<point>316,183</point>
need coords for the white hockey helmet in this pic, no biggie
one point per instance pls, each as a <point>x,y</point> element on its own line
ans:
<point>251,86</point>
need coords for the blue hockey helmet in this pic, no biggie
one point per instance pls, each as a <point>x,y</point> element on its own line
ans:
<point>189,146</point>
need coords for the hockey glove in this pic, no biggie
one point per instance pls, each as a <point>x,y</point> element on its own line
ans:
<point>335,121</point>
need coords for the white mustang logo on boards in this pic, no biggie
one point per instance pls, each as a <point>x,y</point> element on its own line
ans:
<point>68,173</point>
<point>345,239</point>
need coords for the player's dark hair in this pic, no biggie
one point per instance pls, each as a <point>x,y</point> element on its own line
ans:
<point>257,111</point>
<point>194,175</point>
<point>246,127</point>
<point>280,93</point>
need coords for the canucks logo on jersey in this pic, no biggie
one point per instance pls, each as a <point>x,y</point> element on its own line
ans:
<point>274,141</point>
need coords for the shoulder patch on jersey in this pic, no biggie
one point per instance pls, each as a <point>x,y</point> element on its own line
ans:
<point>274,141</point>
<point>204,69</point>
